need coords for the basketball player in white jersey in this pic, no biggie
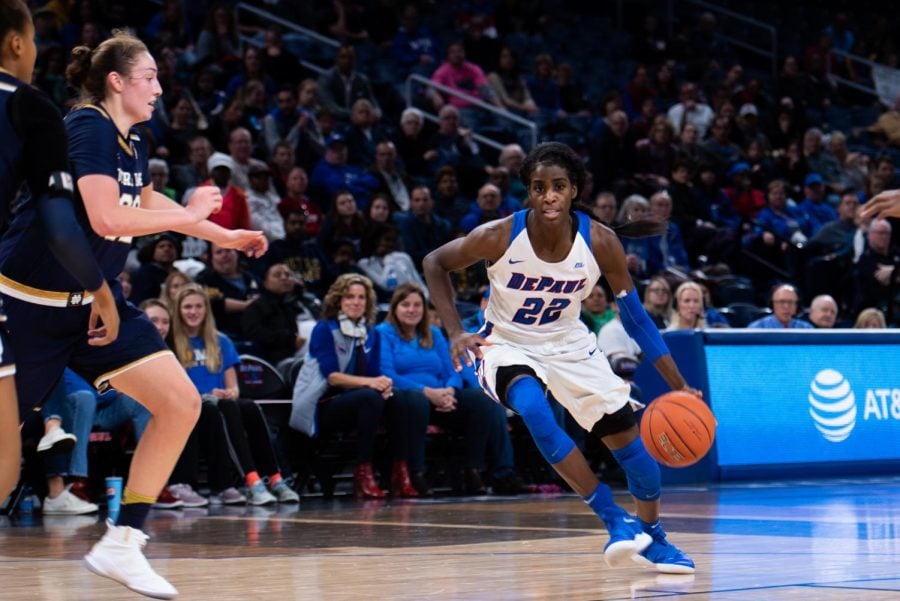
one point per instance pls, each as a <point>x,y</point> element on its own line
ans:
<point>542,262</point>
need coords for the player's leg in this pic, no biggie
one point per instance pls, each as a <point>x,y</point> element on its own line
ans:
<point>524,393</point>
<point>10,439</point>
<point>160,384</point>
<point>619,432</point>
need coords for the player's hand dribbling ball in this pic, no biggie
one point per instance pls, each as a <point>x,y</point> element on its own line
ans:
<point>678,429</point>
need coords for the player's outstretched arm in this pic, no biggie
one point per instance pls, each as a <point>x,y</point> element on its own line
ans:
<point>253,243</point>
<point>486,242</point>
<point>886,204</point>
<point>611,258</point>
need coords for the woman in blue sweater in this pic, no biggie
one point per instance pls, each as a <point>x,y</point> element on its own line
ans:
<point>341,386</point>
<point>415,355</point>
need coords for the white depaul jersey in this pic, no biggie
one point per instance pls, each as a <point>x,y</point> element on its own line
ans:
<point>535,302</point>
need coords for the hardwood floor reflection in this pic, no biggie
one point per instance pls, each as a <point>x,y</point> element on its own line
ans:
<point>825,540</point>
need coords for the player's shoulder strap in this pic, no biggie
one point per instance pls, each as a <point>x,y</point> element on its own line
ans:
<point>520,222</point>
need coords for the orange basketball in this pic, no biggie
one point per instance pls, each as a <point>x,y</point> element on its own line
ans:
<point>678,429</point>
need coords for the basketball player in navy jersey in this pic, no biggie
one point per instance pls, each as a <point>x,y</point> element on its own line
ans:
<point>114,202</point>
<point>542,262</point>
<point>34,174</point>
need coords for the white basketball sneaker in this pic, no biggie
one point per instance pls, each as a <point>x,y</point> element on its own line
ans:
<point>119,556</point>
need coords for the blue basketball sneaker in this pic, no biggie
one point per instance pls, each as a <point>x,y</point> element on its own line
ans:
<point>626,538</point>
<point>663,555</point>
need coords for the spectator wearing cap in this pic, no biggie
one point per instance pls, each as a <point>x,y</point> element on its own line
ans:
<point>746,200</point>
<point>785,302</point>
<point>263,203</point>
<point>748,126</point>
<point>818,212</point>
<point>342,85</point>
<point>234,213</point>
<point>332,173</point>
<point>157,259</point>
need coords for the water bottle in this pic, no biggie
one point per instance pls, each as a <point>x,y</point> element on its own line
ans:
<point>391,278</point>
<point>26,505</point>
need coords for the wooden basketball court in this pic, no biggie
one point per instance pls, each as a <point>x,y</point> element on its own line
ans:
<point>815,540</point>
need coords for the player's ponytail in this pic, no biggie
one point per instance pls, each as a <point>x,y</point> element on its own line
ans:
<point>639,228</point>
<point>88,69</point>
<point>79,67</point>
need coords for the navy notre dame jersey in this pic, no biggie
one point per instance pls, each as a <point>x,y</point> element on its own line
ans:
<point>11,172</point>
<point>95,148</point>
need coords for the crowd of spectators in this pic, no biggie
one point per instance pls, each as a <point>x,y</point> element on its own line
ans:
<point>313,145</point>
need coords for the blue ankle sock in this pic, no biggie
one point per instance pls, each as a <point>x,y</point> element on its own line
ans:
<point>600,500</point>
<point>654,529</point>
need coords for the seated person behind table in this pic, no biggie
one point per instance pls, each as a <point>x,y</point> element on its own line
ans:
<point>688,312</point>
<point>785,301</point>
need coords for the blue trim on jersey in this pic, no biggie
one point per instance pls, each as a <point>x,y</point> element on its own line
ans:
<point>520,220</point>
<point>584,227</point>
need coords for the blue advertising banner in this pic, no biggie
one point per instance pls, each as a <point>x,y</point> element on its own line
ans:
<point>796,404</point>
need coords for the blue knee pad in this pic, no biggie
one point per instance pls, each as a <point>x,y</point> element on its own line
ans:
<point>527,398</point>
<point>644,480</point>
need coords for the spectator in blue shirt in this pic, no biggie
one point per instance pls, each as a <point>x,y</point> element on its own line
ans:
<point>785,301</point>
<point>413,47</point>
<point>817,210</point>
<point>416,356</point>
<point>210,360</point>
<point>332,174</point>
<point>342,387</point>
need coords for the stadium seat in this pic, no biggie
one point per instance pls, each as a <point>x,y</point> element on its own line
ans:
<point>741,314</point>
<point>259,379</point>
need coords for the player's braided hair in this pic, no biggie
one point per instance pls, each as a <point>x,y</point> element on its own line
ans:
<point>561,155</point>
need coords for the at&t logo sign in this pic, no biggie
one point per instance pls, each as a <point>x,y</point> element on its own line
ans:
<point>832,405</point>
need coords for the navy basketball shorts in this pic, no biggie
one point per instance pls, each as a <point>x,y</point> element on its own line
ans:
<point>46,340</point>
